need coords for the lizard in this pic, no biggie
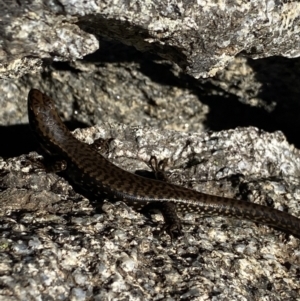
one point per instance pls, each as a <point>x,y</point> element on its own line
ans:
<point>92,172</point>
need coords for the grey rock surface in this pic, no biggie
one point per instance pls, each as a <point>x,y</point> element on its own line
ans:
<point>33,31</point>
<point>57,245</point>
<point>202,37</point>
<point>72,250</point>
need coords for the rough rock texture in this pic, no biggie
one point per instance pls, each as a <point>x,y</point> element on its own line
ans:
<point>72,250</point>
<point>200,36</point>
<point>32,31</point>
<point>56,245</point>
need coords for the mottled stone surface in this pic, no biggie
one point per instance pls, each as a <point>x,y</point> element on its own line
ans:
<point>57,245</point>
<point>33,32</point>
<point>202,37</point>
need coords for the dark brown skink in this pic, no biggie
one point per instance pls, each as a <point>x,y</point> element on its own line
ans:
<point>92,172</point>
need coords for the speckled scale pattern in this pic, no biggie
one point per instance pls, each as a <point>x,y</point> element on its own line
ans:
<point>91,171</point>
